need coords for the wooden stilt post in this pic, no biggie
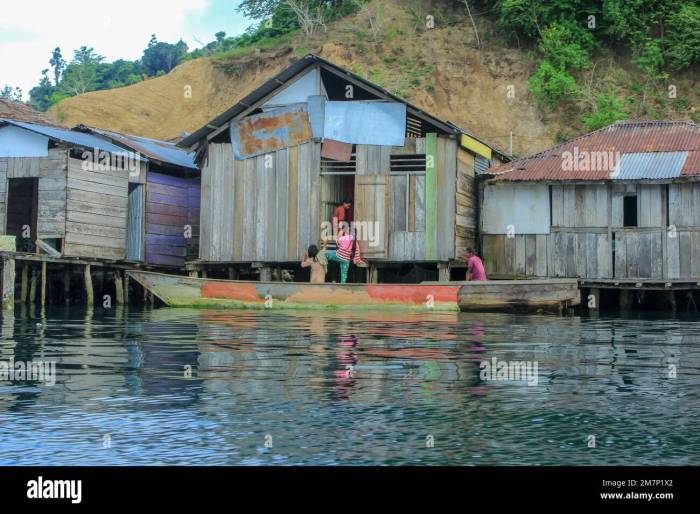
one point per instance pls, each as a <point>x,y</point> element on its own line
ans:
<point>670,297</point>
<point>265,274</point>
<point>43,284</point>
<point>204,272</point>
<point>443,272</point>
<point>8,284</point>
<point>232,274</point>
<point>194,273</point>
<point>24,287</point>
<point>32,287</point>
<point>89,293</point>
<point>372,274</point>
<point>66,284</point>
<point>126,289</point>
<point>118,288</point>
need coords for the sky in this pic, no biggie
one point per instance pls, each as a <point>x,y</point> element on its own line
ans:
<point>30,30</point>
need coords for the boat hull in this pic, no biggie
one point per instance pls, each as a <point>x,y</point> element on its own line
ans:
<point>180,291</point>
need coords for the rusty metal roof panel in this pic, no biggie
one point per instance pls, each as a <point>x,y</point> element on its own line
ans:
<point>649,165</point>
<point>270,131</point>
<point>574,160</point>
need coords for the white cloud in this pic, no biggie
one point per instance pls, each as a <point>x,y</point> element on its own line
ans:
<point>30,30</point>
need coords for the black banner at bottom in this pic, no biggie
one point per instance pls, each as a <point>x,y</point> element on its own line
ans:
<point>202,486</point>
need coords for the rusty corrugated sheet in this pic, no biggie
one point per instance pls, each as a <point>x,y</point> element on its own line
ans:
<point>270,131</point>
<point>615,140</point>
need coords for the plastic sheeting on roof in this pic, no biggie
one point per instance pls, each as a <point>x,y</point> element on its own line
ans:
<point>86,141</point>
<point>649,165</point>
<point>366,122</point>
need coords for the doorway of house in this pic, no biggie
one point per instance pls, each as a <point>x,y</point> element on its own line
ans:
<point>22,212</point>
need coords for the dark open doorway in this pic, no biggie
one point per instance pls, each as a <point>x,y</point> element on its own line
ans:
<point>22,211</point>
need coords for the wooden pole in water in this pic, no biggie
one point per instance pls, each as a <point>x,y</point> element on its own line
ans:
<point>118,287</point>
<point>66,284</point>
<point>32,287</point>
<point>43,283</point>
<point>126,288</point>
<point>8,284</point>
<point>89,294</point>
<point>24,288</point>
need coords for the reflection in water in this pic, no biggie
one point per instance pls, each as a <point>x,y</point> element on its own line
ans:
<point>177,386</point>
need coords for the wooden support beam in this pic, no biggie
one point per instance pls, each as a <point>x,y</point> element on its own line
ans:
<point>232,274</point>
<point>265,274</point>
<point>89,293</point>
<point>8,284</point>
<point>372,274</point>
<point>194,273</point>
<point>24,286</point>
<point>443,271</point>
<point>118,287</point>
<point>43,284</point>
<point>126,289</point>
<point>32,287</point>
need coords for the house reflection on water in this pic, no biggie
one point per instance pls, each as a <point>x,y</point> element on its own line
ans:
<point>343,387</point>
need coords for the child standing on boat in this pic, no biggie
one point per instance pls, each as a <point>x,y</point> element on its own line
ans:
<point>318,264</point>
<point>348,251</point>
<point>475,268</point>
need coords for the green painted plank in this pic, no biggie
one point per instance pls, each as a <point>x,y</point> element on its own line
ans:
<point>430,196</point>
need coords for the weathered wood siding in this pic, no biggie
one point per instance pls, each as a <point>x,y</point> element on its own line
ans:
<point>465,203</point>
<point>97,206</point>
<point>51,172</point>
<point>586,218</point>
<point>135,226</point>
<point>683,236</point>
<point>167,206</point>
<point>265,208</point>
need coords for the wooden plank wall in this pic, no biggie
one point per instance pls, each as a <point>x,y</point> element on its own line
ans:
<point>96,218</point>
<point>586,217</point>
<point>407,237</point>
<point>266,208</point>
<point>683,248</point>
<point>167,204</point>
<point>193,213</point>
<point>51,172</point>
<point>466,198</point>
<point>135,226</point>
<point>3,195</point>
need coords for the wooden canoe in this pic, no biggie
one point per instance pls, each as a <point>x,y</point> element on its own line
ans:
<point>496,295</point>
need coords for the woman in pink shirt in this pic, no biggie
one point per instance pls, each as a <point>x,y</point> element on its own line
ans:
<point>475,268</point>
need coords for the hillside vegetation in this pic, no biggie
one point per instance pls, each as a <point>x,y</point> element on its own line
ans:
<point>509,67</point>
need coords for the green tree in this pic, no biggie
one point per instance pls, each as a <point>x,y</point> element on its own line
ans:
<point>160,57</point>
<point>609,110</point>
<point>58,63</point>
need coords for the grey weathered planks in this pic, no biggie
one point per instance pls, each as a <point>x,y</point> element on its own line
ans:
<point>93,229</point>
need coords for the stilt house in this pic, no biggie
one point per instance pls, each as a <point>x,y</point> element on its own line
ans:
<point>276,164</point>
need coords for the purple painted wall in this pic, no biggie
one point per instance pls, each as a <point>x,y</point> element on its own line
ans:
<point>170,209</point>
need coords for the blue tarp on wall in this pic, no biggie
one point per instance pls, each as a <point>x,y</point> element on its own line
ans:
<point>365,122</point>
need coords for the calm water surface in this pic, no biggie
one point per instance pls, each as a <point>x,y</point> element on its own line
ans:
<point>207,387</point>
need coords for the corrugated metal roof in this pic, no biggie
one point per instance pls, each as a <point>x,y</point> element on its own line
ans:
<point>153,149</point>
<point>607,145</point>
<point>85,141</point>
<point>649,165</point>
